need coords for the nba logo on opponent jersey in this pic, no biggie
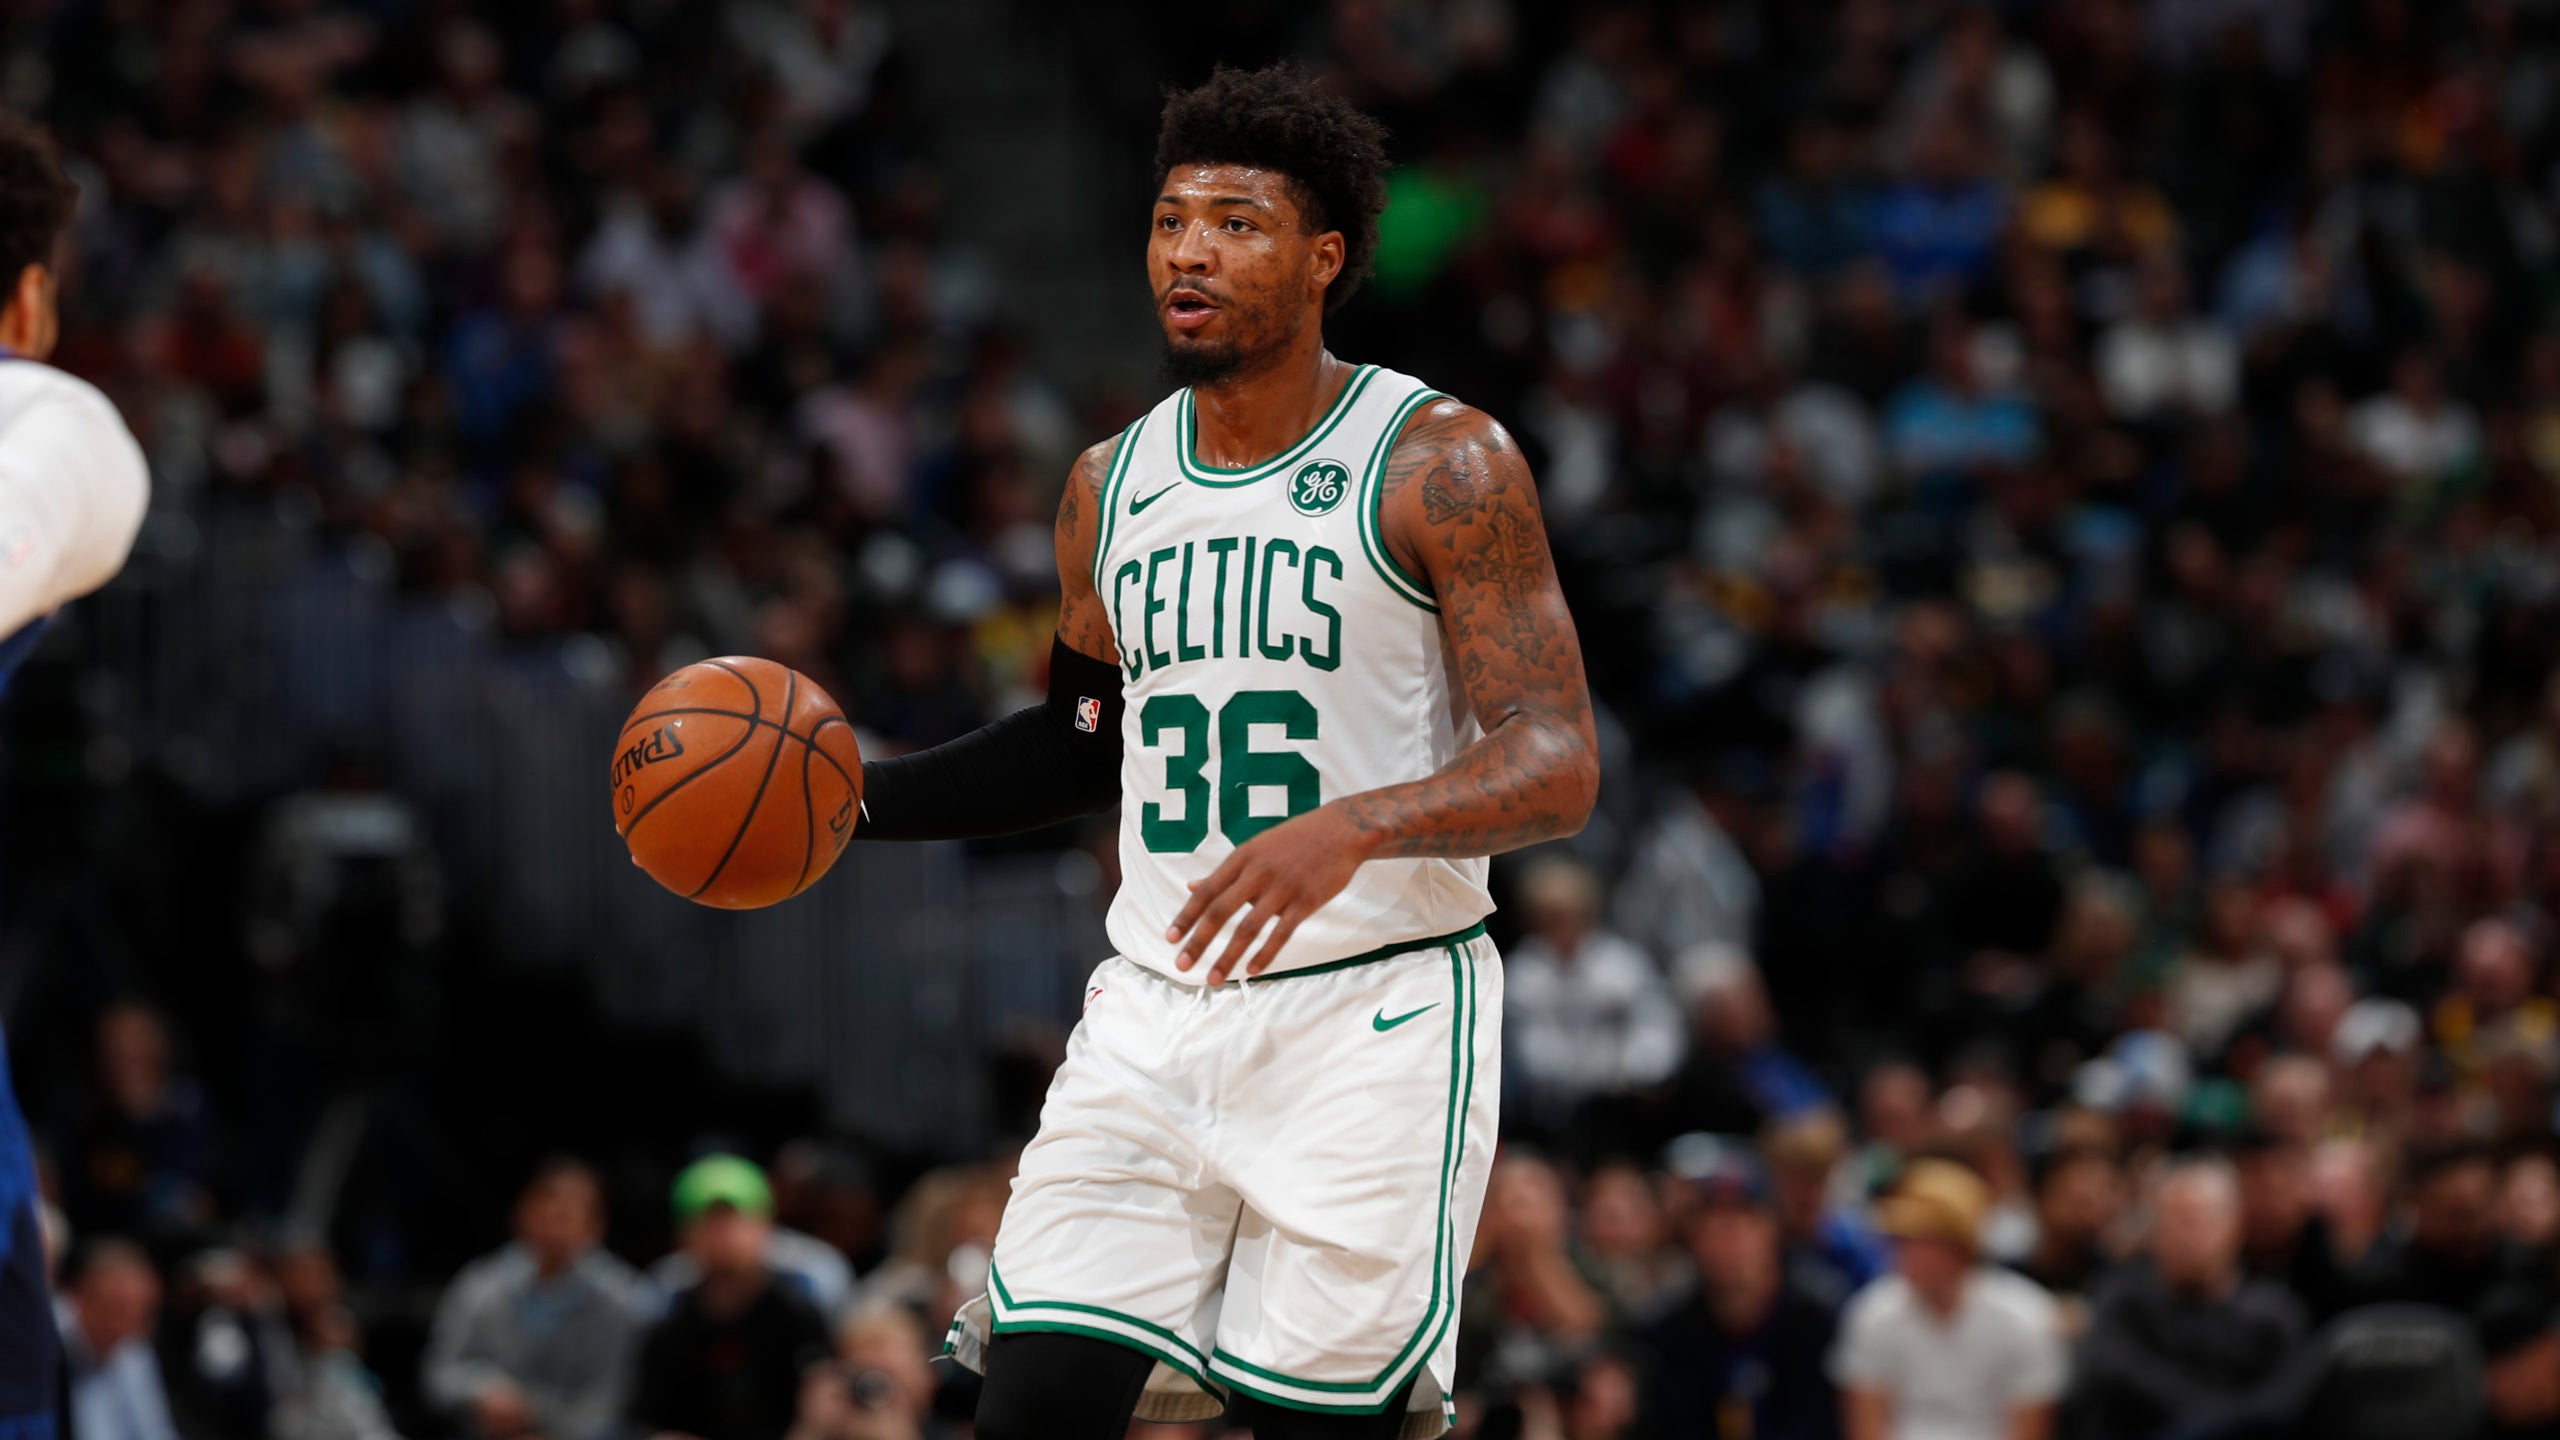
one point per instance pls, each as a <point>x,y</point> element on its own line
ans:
<point>1088,714</point>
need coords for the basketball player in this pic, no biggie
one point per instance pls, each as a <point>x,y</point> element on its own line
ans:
<point>1313,646</point>
<point>72,487</point>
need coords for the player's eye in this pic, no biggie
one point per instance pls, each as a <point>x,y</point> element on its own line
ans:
<point>1168,223</point>
<point>1238,225</point>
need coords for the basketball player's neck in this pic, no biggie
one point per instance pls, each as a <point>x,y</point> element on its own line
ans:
<point>1252,415</point>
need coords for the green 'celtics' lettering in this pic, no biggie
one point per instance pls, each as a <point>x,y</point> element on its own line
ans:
<point>1221,547</point>
<point>1235,589</point>
<point>1156,659</point>
<point>1331,659</point>
<point>1244,606</point>
<point>1134,660</point>
<point>1270,568</point>
<point>1183,649</point>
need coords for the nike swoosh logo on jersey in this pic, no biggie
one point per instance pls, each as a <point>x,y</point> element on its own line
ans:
<point>1382,1024</point>
<point>1136,505</point>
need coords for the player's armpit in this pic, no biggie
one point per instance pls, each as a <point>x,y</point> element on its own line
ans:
<point>1459,506</point>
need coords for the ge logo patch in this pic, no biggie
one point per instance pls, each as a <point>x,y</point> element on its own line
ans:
<point>1318,486</point>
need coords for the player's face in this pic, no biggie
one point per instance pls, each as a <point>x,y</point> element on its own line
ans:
<point>1237,272</point>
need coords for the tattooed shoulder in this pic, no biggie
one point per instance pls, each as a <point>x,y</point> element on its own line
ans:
<point>1082,499</point>
<point>1453,470</point>
<point>1082,622</point>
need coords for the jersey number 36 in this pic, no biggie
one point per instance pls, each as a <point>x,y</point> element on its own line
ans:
<point>1240,767</point>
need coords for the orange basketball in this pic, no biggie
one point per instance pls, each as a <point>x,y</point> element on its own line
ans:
<point>736,782</point>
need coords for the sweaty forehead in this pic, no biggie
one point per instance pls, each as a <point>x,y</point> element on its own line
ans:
<point>1203,183</point>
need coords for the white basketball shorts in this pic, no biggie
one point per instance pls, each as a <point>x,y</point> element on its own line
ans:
<point>1272,1187</point>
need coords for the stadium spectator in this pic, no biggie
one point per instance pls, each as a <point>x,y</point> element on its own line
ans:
<point>1936,226</point>
<point>2284,1239</point>
<point>1689,883</point>
<point>138,1152</point>
<point>536,1338</point>
<point>1739,1074</point>
<point>108,1318</point>
<point>2445,1251</point>
<point>725,1362</point>
<point>1525,1294</point>
<point>332,1395</point>
<point>1831,1249</point>
<point>2079,1194</point>
<point>1946,1347</point>
<point>1626,1241</point>
<point>226,1341</point>
<point>1747,1350</point>
<point>2188,1338</point>
<point>1589,1016</point>
<point>941,1239</point>
<point>815,1270</point>
<point>878,1387</point>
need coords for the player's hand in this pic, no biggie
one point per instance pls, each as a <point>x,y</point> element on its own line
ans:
<point>1278,878</point>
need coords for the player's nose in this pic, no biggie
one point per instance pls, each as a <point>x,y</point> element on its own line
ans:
<point>1188,250</point>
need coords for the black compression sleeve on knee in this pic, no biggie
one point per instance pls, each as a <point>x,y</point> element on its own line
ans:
<point>1054,761</point>
<point>1042,1386</point>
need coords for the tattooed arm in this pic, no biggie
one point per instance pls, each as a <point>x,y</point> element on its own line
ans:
<point>1082,621</point>
<point>1459,509</point>
<point>1036,766</point>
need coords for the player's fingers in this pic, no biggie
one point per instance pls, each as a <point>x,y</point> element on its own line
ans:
<point>1203,890</point>
<point>1248,926</point>
<point>1212,918</point>
<point>1269,949</point>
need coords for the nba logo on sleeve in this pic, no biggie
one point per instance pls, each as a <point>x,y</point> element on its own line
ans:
<point>1088,714</point>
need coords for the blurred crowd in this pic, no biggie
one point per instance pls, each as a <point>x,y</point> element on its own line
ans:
<point>2061,498</point>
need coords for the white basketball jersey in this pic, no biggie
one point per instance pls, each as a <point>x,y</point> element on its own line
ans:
<point>1276,657</point>
<point>73,488</point>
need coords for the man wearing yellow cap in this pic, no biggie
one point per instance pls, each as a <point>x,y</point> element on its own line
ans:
<point>1946,1347</point>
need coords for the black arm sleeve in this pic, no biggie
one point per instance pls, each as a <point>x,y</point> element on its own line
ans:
<point>1054,761</point>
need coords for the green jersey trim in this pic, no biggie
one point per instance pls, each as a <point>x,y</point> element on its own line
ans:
<point>1371,1396</point>
<point>1060,1317</point>
<point>1186,442</point>
<point>1384,952</point>
<point>1372,498</point>
<point>1120,460</point>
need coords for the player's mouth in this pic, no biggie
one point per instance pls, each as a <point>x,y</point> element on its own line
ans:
<point>1188,310</point>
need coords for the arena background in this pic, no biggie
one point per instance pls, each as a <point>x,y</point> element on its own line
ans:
<point>2058,496</point>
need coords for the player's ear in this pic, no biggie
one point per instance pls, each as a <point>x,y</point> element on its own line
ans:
<point>1329,253</point>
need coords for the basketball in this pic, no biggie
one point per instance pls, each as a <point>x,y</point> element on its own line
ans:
<point>736,782</point>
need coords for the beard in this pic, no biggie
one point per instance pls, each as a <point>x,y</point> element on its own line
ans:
<point>1200,362</point>
<point>1256,333</point>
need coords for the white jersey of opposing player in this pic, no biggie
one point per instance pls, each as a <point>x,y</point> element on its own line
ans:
<point>73,487</point>
<point>1276,657</point>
